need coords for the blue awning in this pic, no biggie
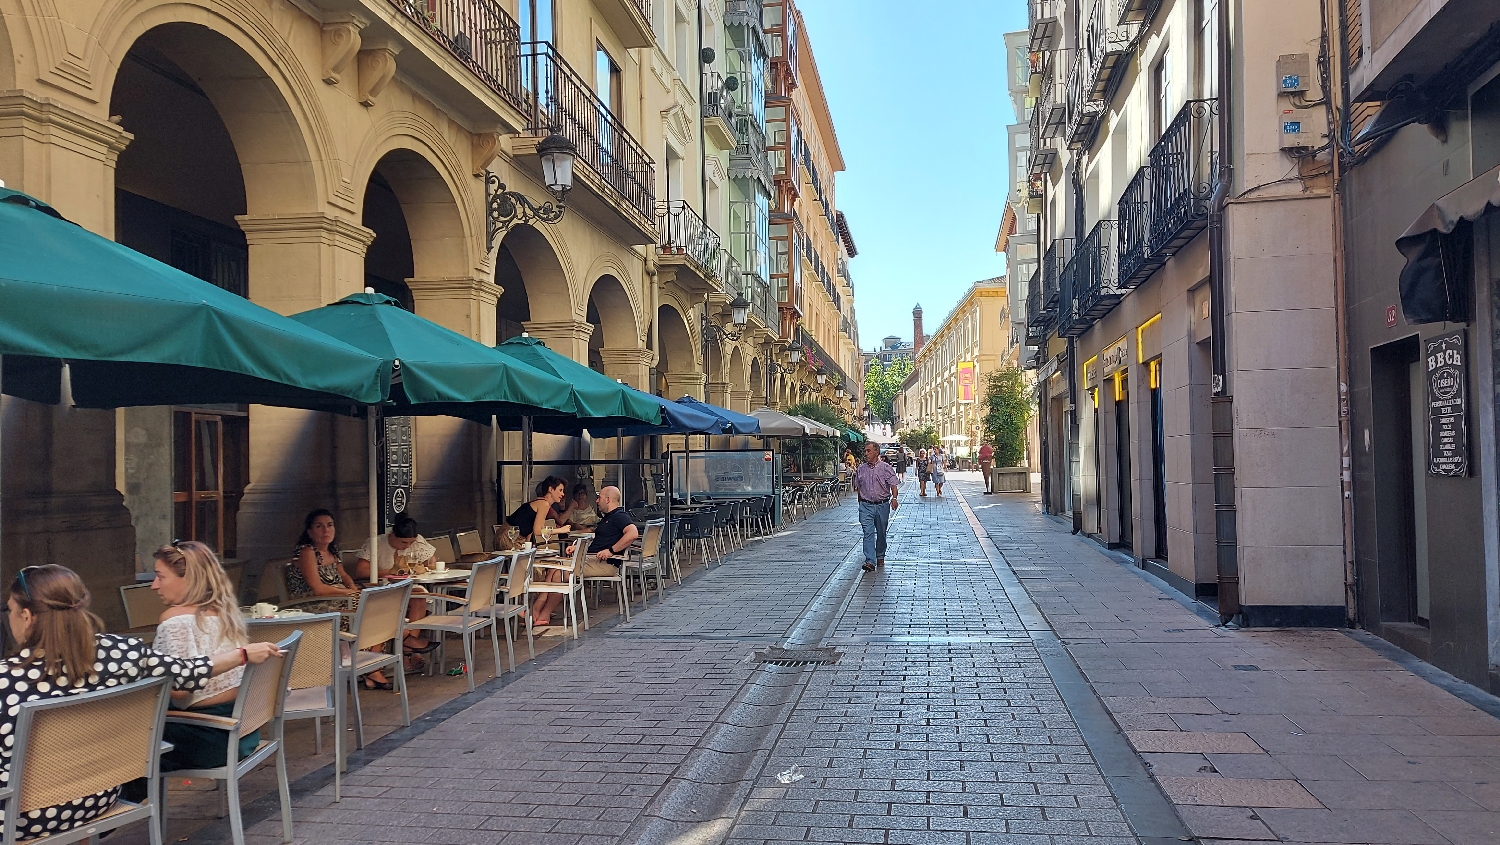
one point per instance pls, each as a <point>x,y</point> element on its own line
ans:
<point>738,423</point>
<point>675,419</point>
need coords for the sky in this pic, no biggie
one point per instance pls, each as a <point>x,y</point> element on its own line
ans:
<point>918,96</point>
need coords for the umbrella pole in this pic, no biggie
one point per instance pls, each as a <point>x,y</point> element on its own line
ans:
<point>525,453</point>
<point>372,427</point>
<point>499,471</point>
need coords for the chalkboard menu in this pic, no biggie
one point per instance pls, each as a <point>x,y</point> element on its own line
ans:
<point>1447,362</point>
<point>395,466</point>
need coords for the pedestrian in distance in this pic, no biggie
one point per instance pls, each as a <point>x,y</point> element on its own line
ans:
<point>986,461</point>
<point>924,471</point>
<point>938,467</point>
<point>876,484</point>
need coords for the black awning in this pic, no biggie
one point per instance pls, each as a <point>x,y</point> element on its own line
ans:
<point>1439,250</point>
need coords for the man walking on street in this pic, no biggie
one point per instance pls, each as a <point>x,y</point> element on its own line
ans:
<point>987,460</point>
<point>875,483</point>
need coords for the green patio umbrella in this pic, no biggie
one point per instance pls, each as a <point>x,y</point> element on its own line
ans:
<point>437,371</point>
<point>601,400</point>
<point>133,331</point>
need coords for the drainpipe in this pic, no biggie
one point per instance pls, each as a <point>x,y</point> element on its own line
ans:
<point>1226,539</point>
<point>702,133</point>
<point>1075,446</point>
<point>1338,97</point>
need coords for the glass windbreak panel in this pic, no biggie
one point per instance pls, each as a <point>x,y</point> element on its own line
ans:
<point>726,474</point>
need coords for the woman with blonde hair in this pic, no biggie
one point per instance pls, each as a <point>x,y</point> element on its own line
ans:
<point>63,652</point>
<point>202,617</point>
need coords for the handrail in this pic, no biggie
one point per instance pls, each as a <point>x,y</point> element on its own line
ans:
<point>683,232</point>
<point>1167,202</point>
<point>481,35</point>
<point>564,103</point>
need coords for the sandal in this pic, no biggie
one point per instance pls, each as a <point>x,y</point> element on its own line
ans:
<point>413,665</point>
<point>372,684</point>
<point>432,645</point>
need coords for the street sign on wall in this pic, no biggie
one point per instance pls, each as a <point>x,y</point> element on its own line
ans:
<point>966,381</point>
<point>1447,362</point>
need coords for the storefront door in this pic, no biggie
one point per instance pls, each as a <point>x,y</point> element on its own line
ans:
<point>1158,464</point>
<point>1122,463</point>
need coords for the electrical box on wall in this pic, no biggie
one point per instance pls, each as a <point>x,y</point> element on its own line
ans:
<point>1293,73</point>
<point>1303,128</point>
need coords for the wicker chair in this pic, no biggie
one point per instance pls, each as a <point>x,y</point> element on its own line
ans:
<point>647,559</point>
<point>572,586</point>
<point>259,706</point>
<point>517,582</point>
<point>316,689</point>
<point>467,616</point>
<point>71,747</point>
<point>381,615</point>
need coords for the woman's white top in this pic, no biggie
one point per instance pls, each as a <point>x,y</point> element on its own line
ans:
<point>183,636</point>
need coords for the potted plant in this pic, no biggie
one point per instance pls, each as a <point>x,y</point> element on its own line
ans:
<point>1007,409</point>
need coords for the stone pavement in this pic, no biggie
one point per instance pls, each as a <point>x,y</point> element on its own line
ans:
<point>1304,736</point>
<point>955,712</point>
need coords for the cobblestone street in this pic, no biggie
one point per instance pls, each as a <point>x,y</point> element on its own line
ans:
<point>956,712</point>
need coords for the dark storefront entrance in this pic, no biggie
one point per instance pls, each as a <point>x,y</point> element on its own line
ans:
<point>1123,499</point>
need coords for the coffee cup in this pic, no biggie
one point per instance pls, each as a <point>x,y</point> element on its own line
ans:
<point>263,610</point>
<point>441,566</point>
<point>526,546</point>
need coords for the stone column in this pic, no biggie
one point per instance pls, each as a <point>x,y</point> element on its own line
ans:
<point>300,460</point>
<point>62,503</point>
<point>739,400</point>
<point>569,337</point>
<point>684,384</point>
<point>632,366</point>
<point>718,393</point>
<point>453,477</point>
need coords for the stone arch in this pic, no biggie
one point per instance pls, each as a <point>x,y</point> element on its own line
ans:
<point>7,59</point>
<point>619,317</point>
<point>757,383</point>
<point>257,83</point>
<point>678,366</point>
<point>608,264</point>
<point>533,270</point>
<point>435,222</point>
<point>739,381</point>
<point>429,178</point>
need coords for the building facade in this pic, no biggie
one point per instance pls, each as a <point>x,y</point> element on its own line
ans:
<point>1422,82</point>
<point>945,388</point>
<point>890,349</point>
<point>1183,310</point>
<point>298,153</point>
<point>1018,224</point>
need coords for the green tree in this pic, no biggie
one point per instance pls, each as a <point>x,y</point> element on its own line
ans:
<point>925,437</point>
<point>817,454</point>
<point>1006,410</point>
<point>882,383</point>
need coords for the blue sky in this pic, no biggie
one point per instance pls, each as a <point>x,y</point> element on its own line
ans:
<point>918,96</point>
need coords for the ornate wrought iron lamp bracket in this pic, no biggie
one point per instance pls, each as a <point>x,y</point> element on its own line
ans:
<point>504,209</point>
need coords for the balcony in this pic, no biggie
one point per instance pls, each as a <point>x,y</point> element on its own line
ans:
<point>617,174</point>
<point>817,359</point>
<point>1038,321</point>
<point>1096,70</point>
<point>1047,119</point>
<point>1053,261</point>
<point>630,20</point>
<point>718,111</point>
<point>1138,11</point>
<point>781,32</point>
<point>477,34</point>
<point>689,246</point>
<point>1044,21</point>
<point>749,159</point>
<point>1167,203</point>
<point>1068,322</point>
<point>748,13</point>
<point>757,291</point>
<point>1097,289</point>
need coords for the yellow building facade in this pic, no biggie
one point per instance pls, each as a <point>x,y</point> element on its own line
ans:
<point>976,332</point>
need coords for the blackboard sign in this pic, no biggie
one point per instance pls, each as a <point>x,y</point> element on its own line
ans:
<point>1447,361</point>
<point>396,466</point>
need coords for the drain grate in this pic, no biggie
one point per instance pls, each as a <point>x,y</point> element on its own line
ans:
<point>779,656</point>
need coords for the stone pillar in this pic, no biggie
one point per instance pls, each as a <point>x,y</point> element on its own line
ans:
<point>62,503</point>
<point>739,400</point>
<point>300,460</point>
<point>718,393</point>
<point>569,337</point>
<point>632,366</point>
<point>684,384</point>
<point>453,477</point>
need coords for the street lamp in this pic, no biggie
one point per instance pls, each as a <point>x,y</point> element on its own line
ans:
<point>505,208</point>
<point>739,314</point>
<point>794,352</point>
<point>839,393</point>
<point>822,378</point>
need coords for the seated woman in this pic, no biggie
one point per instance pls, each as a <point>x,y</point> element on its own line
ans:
<point>401,552</point>
<point>530,517</point>
<point>580,514</point>
<point>318,572</point>
<point>202,617</point>
<point>63,652</point>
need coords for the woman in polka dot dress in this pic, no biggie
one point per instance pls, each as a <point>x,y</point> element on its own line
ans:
<point>64,653</point>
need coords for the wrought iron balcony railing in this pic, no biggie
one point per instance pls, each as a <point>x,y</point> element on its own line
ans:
<point>1138,11</point>
<point>1047,119</point>
<point>644,6</point>
<point>819,360</point>
<point>1097,283</point>
<point>718,101</point>
<point>750,160</point>
<point>1039,322</point>
<point>1167,203</point>
<point>481,35</point>
<point>564,103</point>
<point>1044,21</point>
<point>684,233</point>
<point>1098,65</point>
<point>1053,260</point>
<point>758,293</point>
<point>1068,322</point>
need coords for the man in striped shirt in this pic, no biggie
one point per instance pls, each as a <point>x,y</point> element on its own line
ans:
<point>875,482</point>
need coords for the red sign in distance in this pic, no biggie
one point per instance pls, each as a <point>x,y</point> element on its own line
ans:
<point>1390,316</point>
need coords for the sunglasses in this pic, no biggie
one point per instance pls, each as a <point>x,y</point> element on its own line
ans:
<point>21,576</point>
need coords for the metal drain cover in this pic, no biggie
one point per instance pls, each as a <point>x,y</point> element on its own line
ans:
<point>799,657</point>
